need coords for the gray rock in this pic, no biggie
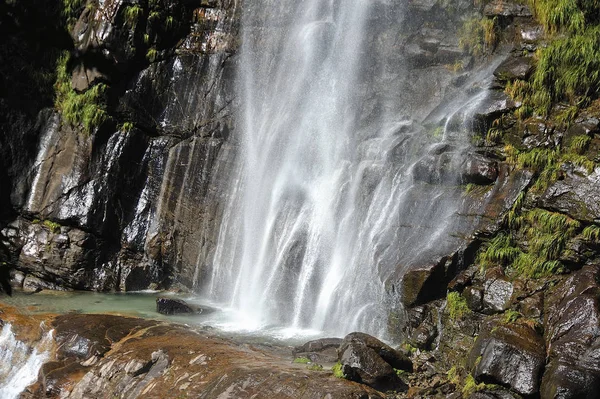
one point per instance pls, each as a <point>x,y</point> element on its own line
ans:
<point>509,354</point>
<point>577,195</point>
<point>506,9</point>
<point>572,333</point>
<point>497,295</point>
<point>395,358</point>
<point>514,68</point>
<point>319,350</point>
<point>362,364</point>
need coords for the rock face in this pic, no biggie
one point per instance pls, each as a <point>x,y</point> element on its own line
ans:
<point>113,208</point>
<point>577,195</point>
<point>573,337</point>
<point>509,354</point>
<point>367,360</point>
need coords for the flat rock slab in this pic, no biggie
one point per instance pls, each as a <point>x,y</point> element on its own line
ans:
<point>152,359</point>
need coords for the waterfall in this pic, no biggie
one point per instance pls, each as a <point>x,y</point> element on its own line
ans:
<point>324,206</point>
<point>20,363</point>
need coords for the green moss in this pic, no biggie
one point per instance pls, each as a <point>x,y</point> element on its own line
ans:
<point>152,54</point>
<point>453,376</point>
<point>302,360</point>
<point>53,226</point>
<point>510,316</point>
<point>126,127</point>
<point>409,348</point>
<point>337,370</point>
<point>456,305</point>
<point>471,386</point>
<point>87,109</point>
<point>315,367</point>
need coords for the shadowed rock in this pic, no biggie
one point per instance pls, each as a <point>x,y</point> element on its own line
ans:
<point>171,306</point>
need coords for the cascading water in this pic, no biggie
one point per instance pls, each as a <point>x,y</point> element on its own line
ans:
<point>19,363</point>
<point>323,207</point>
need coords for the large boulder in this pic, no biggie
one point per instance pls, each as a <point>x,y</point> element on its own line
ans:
<point>572,333</point>
<point>509,354</point>
<point>369,361</point>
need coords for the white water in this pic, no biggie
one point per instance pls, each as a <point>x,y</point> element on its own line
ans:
<point>20,363</point>
<point>323,211</point>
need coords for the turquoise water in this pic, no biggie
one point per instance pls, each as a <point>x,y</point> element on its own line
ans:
<point>223,321</point>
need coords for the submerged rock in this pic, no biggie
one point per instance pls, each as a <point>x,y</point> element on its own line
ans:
<point>170,306</point>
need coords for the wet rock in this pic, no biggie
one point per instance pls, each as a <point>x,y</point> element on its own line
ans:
<point>35,284</point>
<point>494,394</point>
<point>362,364</point>
<point>495,105</point>
<point>497,295</point>
<point>577,195</point>
<point>479,169</point>
<point>150,359</point>
<point>512,355</point>
<point>319,350</point>
<point>514,68</point>
<point>425,283</point>
<point>572,331</point>
<point>395,358</point>
<point>424,335</point>
<point>171,306</point>
<point>506,9</point>
<point>474,298</point>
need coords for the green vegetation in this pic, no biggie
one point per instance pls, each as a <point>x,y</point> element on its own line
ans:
<point>478,35</point>
<point>337,370</point>
<point>126,127</point>
<point>591,233</point>
<point>545,235</point>
<point>302,360</point>
<point>315,367</point>
<point>132,14</point>
<point>510,316</point>
<point>53,226</point>
<point>152,54</point>
<point>87,109</point>
<point>568,68</point>
<point>471,386</point>
<point>579,144</point>
<point>454,376</point>
<point>408,347</point>
<point>456,305</point>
